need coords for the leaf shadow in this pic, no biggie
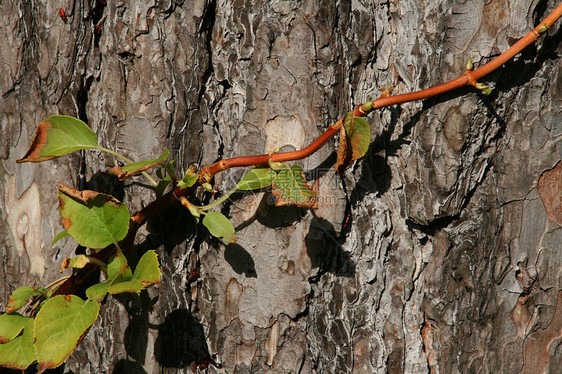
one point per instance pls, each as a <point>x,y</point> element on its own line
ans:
<point>136,333</point>
<point>240,260</point>
<point>325,251</point>
<point>107,184</point>
<point>34,368</point>
<point>181,341</point>
<point>277,216</point>
<point>128,367</point>
<point>169,228</point>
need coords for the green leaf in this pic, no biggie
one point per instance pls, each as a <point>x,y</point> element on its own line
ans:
<point>290,188</point>
<point>219,226</point>
<point>59,236</point>
<point>139,166</point>
<point>97,291</point>
<point>117,271</point>
<point>59,326</point>
<point>10,326</point>
<point>58,136</point>
<point>19,353</point>
<point>118,265</point>
<point>18,298</point>
<point>147,270</point>
<point>132,285</point>
<point>257,178</point>
<point>161,187</point>
<point>146,273</point>
<point>189,179</point>
<point>94,220</point>
<point>355,137</point>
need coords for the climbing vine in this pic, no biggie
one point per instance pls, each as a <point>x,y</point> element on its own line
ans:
<point>45,324</point>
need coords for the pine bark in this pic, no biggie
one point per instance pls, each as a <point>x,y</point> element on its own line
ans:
<point>438,252</point>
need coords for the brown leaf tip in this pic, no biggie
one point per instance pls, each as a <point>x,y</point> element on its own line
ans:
<point>39,141</point>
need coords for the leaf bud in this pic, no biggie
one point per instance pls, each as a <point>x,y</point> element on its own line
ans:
<point>470,64</point>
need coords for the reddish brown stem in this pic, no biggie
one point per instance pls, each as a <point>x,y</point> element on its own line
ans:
<point>468,78</point>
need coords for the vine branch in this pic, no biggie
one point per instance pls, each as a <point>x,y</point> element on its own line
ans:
<point>468,78</point>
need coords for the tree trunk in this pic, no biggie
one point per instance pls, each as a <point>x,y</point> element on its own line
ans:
<point>438,252</point>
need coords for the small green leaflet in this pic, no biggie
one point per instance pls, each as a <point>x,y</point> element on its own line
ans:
<point>165,173</point>
<point>59,236</point>
<point>118,265</point>
<point>77,262</point>
<point>10,326</point>
<point>355,137</point>
<point>257,178</point>
<point>161,187</point>
<point>58,136</point>
<point>140,166</point>
<point>290,188</point>
<point>146,274</point>
<point>219,226</point>
<point>121,279</point>
<point>59,326</point>
<point>148,270</point>
<point>117,271</point>
<point>189,179</point>
<point>19,352</point>
<point>93,219</point>
<point>19,297</point>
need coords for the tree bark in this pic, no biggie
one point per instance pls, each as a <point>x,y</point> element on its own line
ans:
<point>439,251</point>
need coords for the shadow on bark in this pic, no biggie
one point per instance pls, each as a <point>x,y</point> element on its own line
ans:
<point>240,260</point>
<point>278,216</point>
<point>136,334</point>
<point>170,228</point>
<point>181,340</point>
<point>128,367</point>
<point>325,251</point>
<point>106,183</point>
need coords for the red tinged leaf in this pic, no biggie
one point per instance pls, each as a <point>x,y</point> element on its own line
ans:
<point>344,152</point>
<point>39,142</point>
<point>355,137</point>
<point>58,136</point>
<point>18,352</point>
<point>18,298</point>
<point>290,188</point>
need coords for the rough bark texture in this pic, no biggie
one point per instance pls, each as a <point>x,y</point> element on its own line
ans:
<point>439,252</point>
